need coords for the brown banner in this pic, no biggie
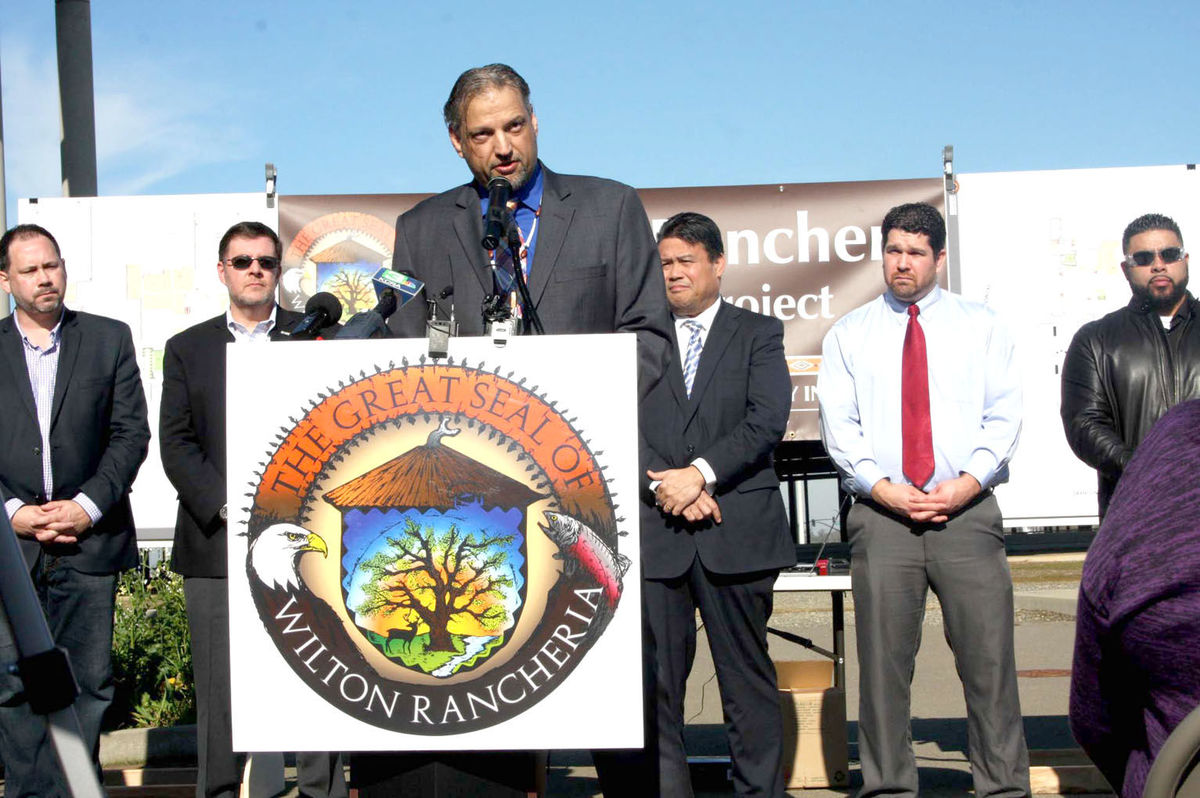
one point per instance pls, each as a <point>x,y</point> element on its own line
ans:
<point>806,253</point>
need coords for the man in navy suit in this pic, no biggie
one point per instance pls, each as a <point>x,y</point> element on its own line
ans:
<point>72,437</point>
<point>714,531</point>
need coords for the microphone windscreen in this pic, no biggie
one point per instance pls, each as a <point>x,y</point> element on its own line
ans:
<point>323,300</point>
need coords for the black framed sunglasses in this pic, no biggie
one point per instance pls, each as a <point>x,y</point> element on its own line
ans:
<point>1145,257</point>
<point>240,262</point>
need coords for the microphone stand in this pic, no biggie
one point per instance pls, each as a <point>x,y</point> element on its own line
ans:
<point>514,246</point>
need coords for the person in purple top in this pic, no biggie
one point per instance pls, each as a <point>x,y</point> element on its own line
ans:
<point>1136,673</point>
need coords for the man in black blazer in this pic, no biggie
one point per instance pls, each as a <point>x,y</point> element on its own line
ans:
<point>714,532</point>
<point>72,437</point>
<point>192,441</point>
<point>586,243</point>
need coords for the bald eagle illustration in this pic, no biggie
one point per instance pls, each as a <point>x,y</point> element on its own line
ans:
<point>273,564</point>
<point>275,554</point>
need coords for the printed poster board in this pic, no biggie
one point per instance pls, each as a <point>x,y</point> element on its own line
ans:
<point>434,555</point>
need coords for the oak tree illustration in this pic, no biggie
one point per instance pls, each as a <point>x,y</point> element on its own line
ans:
<point>433,555</point>
<point>438,577</point>
<point>349,282</point>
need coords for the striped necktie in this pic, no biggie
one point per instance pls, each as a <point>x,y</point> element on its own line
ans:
<point>692,359</point>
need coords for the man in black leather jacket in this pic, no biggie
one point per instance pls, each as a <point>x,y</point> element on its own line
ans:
<point>1122,372</point>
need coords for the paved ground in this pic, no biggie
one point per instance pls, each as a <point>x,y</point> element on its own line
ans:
<point>1046,586</point>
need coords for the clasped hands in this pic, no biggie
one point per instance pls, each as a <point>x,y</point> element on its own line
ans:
<point>932,507</point>
<point>681,492</point>
<point>61,521</point>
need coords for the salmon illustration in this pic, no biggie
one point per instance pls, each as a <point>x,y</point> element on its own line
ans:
<point>580,547</point>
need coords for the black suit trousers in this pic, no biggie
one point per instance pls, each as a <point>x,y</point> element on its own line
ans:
<point>734,609</point>
<point>319,775</point>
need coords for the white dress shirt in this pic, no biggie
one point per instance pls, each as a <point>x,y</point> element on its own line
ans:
<point>259,334</point>
<point>974,391</point>
<point>683,334</point>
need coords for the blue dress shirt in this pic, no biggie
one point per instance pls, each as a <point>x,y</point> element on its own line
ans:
<point>529,200</point>
<point>974,391</point>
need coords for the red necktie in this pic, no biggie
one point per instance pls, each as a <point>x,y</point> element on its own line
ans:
<point>915,426</point>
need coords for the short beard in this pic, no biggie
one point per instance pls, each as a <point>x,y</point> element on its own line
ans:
<point>32,310</point>
<point>1161,304</point>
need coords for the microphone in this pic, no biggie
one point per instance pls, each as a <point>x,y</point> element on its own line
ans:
<point>393,290</point>
<point>401,286</point>
<point>495,225</point>
<point>321,310</point>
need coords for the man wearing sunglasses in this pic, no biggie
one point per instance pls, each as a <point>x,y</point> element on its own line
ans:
<point>1122,372</point>
<point>192,441</point>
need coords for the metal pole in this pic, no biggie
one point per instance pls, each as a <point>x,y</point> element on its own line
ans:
<point>4,302</point>
<point>954,267</point>
<point>73,25</point>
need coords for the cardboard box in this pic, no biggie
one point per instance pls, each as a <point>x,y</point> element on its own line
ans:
<point>815,748</point>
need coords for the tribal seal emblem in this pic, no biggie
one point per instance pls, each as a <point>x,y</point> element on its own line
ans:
<point>433,547</point>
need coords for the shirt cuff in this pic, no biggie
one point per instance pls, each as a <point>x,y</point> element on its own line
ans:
<point>710,478</point>
<point>866,475</point>
<point>654,485</point>
<point>982,466</point>
<point>89,507</point>
<point>11,506</point>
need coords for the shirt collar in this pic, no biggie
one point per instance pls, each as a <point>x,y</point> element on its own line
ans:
<point>924,303</point>
<point>55,332</point>
<point>704,318</point>
<point>529,195</point>
<point>263,327</point>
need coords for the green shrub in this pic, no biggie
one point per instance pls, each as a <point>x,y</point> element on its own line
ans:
<point>152,655</point>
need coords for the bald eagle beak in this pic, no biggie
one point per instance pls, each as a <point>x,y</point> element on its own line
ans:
<point>315,543</point>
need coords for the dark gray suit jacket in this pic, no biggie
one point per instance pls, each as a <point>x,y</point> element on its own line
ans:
<point>191,432</point>
<point>737,413</point>
<point>98,434</point>
<point>595,269</point>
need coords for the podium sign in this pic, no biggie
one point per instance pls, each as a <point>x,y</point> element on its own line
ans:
<point>434,555</point>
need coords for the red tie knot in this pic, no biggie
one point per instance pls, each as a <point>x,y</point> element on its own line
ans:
<point>913,310</point>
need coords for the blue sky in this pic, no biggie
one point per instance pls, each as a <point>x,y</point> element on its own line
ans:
<point>345,97</point>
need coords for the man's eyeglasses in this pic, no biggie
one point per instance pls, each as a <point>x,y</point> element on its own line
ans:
<point>240,262</point>
<point>1145,257</point>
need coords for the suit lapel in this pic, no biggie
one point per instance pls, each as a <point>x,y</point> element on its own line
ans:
<point>724,328</point>
<point>555,220</point>
<point>68,354</point>
<point>284,320</point>
<point>12,352</point>
<point>468,226</point>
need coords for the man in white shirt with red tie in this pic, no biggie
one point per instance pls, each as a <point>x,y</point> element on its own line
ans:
<point>921,411</point>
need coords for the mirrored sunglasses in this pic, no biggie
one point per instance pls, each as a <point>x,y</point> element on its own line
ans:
<point>1145,257</point>
<point>268,262</point>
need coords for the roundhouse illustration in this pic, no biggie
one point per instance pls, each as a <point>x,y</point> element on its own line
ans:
<point>434,555</point>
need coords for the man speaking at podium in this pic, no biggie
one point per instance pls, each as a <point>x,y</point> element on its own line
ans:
<point>72,437</point>
<point>586,248</point>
